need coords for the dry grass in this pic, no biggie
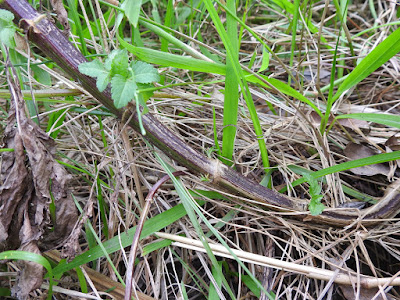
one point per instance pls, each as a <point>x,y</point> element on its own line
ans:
<point>127,164</point>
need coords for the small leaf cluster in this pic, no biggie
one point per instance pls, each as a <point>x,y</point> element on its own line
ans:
<point>315,206</point>
<point>7,28</point>
<point>126,78</point>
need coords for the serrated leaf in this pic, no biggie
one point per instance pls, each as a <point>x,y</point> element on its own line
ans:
<point>7,36</point>
<point>132,10</point>
<point>315,206</point>
<point>120,63</point>
<point>122,90</point>
<point>144,72</point>
<point>6,16</point>
<point>145,94</point>
<point>7,28</point>
<point>109,59</point>
<point>96,69</point>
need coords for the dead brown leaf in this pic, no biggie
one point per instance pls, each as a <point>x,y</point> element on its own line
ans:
<point>356,151</point>
<point>62,14</point>
<point>31,179</point>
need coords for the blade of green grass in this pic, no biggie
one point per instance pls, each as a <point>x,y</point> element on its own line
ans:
<point>34,257</point>
<point>172,60</point>
<point>242,80</point>
<point>125,239</point>
<point>385,119</point>
<point>79,32</point>
<point>296,6</point>
<point>231,99</point>
<point>195,212</point>
<point>376,58</point>
<point>376,159</point>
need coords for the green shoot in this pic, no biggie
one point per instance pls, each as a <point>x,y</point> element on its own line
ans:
<point>315,206</point>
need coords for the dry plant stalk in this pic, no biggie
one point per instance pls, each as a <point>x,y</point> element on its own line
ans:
<point>52,42</point>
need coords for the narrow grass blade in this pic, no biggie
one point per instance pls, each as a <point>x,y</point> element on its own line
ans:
<point>34,257</point>
<point>231,99</point>
<point>385,119</point>
<point>183,193</point>
<point>242,80</point>
<point>172,60</point>
<point>125,239</point>
<point>376,159</point>
<point>376,58</point>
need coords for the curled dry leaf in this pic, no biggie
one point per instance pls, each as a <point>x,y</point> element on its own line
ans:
<point>353,124</point>
<point>30,180</point>
<point>356,151</point>
<point>62,14</point>
<point>393,144</point>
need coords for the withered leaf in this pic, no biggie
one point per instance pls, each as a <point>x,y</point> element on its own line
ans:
<point>62,14</point>
<point>356,151</point>
<point>30,180</point>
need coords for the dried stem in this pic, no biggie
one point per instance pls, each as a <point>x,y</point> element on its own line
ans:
<point>54,44</point>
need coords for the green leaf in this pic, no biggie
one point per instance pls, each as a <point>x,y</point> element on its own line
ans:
<point>34,257</point>
<point>371,160</point>
<point>7,28</point>
<point>6,16</point>
<point>124,239</point>
<point>119,62</point>
<point>315,206</point>
<point>123,90</point>
<point>265,60</point>
<point>173,60</point>
<point>144,72</point>
<point>132,10</point>
<point>96,69</point>
<point>385,119</point>
<point>376,58</point>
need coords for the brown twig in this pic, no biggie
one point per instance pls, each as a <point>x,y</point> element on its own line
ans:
<point>54,44</point>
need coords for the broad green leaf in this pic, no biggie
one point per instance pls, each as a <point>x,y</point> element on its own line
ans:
<point>123,90</point>
<point>7,36</point>
<point>376,58</point>
<point>7,28</point>
<point>6,16</point>
<point>315,206</point>
<point>385,119</point>
<point>144,72</point>
<point>120,63</point>
<point>96,69</point>
<point>132,10</point>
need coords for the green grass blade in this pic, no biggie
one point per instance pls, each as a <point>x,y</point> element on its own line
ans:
<point>376,159</point>
<point>125,239</point>
<point>190,205</point>
<point>231,99</point>
<point>34,257</point>
<point>376,58</point>
<point>243,83</point>
<point>283,88</point>
<point>172,60</point>
<point>385,119</point>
